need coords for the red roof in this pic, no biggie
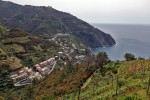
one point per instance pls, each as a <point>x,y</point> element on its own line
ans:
<point>70,59</point>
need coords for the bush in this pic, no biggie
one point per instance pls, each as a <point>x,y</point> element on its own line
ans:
<point>140,58</point>
<point>121,83</point>
<point>129,57</point>
<point>132,97</point>
<point>114,71</point>
<point>4,68</point>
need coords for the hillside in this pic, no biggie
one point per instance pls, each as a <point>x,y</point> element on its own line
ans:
<point>19,46</point>
<point>133,78</point>
<point>19,49</point>
<point>46,21</point>
<point>25,49</point>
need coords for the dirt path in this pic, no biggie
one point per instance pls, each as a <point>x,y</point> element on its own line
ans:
<point>87,82</point>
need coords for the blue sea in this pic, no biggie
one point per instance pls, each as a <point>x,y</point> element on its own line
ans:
<point>133,39</point>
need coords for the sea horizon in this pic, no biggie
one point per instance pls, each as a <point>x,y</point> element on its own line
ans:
<point>129,38</point>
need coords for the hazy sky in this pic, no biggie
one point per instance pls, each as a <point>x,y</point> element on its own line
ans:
<point>100,11</point>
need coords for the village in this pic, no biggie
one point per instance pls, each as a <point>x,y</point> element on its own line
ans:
<point>26,75</point>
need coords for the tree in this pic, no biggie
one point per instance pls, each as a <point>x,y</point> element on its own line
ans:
<point>117,86</point>
<point>148,85</point>
<point>140,58</point>
<point>102,59</point>
<point>29,93</point>
<point>129,57</point>
<point>2,30</point>
<point>62,76</point>
<point>79,92</point>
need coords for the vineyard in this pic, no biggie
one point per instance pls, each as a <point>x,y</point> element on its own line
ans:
<point>117,80</point>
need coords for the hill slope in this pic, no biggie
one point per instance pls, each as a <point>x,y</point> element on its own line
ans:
<point>28,49</point>
<point>47,21</point>
<point>19,48</point>
<point>133,77</point>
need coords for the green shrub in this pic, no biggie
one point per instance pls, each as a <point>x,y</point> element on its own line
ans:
<point>121,83</point>
<point>132,97</point>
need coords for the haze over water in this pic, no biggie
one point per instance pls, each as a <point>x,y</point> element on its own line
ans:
<point>133,39</point>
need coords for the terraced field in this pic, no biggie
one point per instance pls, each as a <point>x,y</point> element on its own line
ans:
<point>132,82</point>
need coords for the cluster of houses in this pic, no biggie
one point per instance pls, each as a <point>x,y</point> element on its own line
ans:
<point>46,66</point>
<point>26,75</point>
<point>20,77</point>
<point>69,48</point>
<point>80,57</point>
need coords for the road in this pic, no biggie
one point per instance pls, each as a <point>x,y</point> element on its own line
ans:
<point>53,67</point>
<point>79,61</point>
<point>23,82</point>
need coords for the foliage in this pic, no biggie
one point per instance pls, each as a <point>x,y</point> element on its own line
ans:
<point>62,82</point>
<point>129,57</point>
<point>132,85</point>
<point>2,30</point>
<point>102,59</point>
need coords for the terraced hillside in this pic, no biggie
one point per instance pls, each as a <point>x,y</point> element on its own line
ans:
<point>124,80</point>
<point>19,48</point>
<point>132,76</point>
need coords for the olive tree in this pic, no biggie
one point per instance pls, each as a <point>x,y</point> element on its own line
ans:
<point>101,59</point>
<point>129,57</point>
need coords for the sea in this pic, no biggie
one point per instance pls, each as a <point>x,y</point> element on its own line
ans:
<point>133,39</point>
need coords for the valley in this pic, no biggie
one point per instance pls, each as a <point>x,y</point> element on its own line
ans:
<point>47,54</point>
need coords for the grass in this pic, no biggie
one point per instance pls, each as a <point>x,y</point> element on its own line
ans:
<point>15,64</point>
<point>37,48</point>
<point>13,48</point>
<point>86,83</point>
<point>12,62</point>
<point>17,39</point>
<point>2,52</point>
<point>132,83</point>
<point>17,48</point>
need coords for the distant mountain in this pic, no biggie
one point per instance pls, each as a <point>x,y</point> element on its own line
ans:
<point>46,21</point>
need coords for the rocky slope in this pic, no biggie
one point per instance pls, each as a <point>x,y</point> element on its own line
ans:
<point>46,21</point>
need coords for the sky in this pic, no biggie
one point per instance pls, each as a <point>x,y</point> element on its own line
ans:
<point>100,11</point>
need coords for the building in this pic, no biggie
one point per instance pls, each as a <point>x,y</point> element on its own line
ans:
<point>45,66</point>
<point>20,76</point>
